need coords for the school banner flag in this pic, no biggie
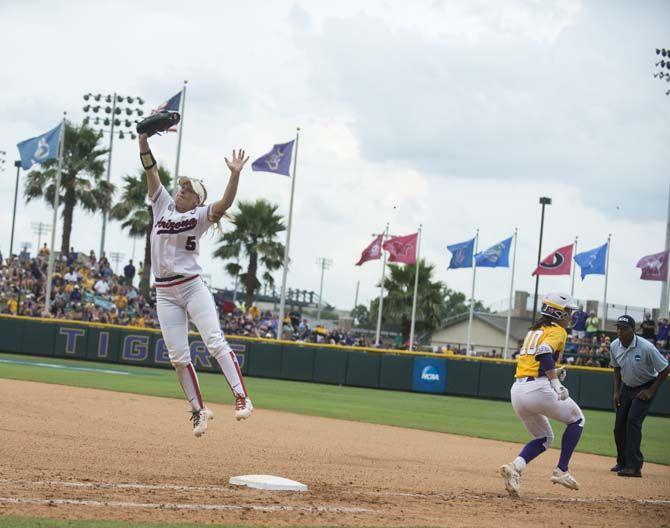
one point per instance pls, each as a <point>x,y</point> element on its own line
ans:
<point>496,256</point>
<point>558,262</point>
<point>372,252</point>
<point>654,267</point>
<point>402,248</point>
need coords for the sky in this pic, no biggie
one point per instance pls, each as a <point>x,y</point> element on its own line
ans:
<point>452,115</point>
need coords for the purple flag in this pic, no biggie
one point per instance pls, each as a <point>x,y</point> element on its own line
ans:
<point>654,267</point>
<point>278,160</point>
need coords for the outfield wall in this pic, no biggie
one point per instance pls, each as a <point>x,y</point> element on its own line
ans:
<point>384,369</point>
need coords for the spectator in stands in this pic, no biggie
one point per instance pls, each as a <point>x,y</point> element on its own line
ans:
<point>579,323</point>
<point>662,333</point>
<point>648,328</point>
<point>44,251</point>
<point>129,272</point>
<point>72,276</point>
<point>102,286</point>
<point>75,295</point>
<point>592,324</point>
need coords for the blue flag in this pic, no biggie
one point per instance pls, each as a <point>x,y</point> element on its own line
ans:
<point>592,262</point>
<point>496,256</point>
<point>40,148</point>
<point>461,254</point>
<point>277,160</point>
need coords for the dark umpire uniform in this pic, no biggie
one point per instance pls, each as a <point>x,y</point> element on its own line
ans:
<point>639,371</point>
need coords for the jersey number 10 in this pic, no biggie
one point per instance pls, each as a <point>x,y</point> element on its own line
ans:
<point>530,343</point>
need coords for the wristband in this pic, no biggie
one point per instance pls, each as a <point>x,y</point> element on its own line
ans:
<point>555,384</point>
<point>148,160</point>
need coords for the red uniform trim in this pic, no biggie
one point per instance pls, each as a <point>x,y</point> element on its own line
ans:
<point>194,378</point>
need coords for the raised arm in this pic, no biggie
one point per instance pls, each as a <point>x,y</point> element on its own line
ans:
<point>235,165</point>
<point>150,166</point>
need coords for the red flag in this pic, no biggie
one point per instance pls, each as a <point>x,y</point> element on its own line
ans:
<point>654,267</point>
<point>557,263</point>
<point>372,252</point>
<point>402,249</point>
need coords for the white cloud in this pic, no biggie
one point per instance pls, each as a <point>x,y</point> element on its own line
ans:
<point>454,115</point>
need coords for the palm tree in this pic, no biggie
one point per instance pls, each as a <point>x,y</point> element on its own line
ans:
<point>81,181</point>
<point>137,216</point>
<point>256,227</point>
<point>399,288</point>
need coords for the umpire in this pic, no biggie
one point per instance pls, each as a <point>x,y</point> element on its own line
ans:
<point>639,371</point>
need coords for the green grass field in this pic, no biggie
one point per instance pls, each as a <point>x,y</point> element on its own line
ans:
<point>463,416</point>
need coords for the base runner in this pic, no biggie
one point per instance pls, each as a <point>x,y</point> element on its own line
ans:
<point>180,291</point>
<point>537,394</point>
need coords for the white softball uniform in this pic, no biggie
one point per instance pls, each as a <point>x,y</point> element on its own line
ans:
<point>180,292</point>
<point>534,401</point>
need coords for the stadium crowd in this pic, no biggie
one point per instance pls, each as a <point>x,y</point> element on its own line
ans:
<point>84,288</point>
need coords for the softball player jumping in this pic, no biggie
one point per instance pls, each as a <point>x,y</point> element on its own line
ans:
<point>180,292</point>
<point>538,393</point>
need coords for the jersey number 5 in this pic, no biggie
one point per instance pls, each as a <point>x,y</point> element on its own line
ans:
<point>190,243</point>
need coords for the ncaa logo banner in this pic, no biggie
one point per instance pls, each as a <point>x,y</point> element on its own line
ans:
<point>430,375</point>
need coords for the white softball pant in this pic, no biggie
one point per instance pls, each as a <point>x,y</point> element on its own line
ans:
<point>534,401</point>
<point>192,298</point>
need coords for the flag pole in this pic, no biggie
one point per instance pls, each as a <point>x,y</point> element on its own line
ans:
<point>607,267</point>
<point>416,289</point>
<point>511,293</point>
<point>181,128</point>
<point>574,252</point>
<point>282,298</point>
<point>50,268</point>
<point>472,295</point>
<point>17,164</point>
<point>381,289</point>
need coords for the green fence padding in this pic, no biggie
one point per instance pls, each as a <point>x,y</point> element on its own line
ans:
<point>363,369</point>
<point>596,390</point>
<point>69,340</point>
<point>241,349</point>
<point>38,339</point>
<point>135,347</point>
<point>495,380</point>
<point>395,372</point>
<point>102,344</point>
<point>462,377</point>
<point>330,366</point>
<point>11,332</point>
<point>573,383</point>
<point>661,403</point>
<point>265,360</point>
<point>297,363</point>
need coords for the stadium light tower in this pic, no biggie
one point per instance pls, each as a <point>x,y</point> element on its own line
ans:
<point>544,200</point>
<point>120,114</point>
<point>664,74</point>
<point>325,264</point>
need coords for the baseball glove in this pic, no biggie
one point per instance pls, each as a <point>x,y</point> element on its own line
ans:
<point>156,123</point>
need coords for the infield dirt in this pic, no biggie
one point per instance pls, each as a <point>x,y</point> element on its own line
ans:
<point>74,453</point>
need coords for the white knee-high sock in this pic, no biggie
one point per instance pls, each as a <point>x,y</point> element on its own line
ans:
<point>188,380</point>
<point>231,370</point>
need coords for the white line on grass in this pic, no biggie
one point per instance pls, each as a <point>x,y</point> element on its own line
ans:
<point>64,367</point>
<point>182,506</point>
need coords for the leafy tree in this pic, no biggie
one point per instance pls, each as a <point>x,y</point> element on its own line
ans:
<point>399,291</point>
<point>81,181</point>
<point>257,225</point>
<point>435,301</point>
<point>361,314</point>
<point>136,215</point>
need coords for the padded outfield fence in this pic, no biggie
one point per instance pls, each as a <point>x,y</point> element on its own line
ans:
<point>359,367</point>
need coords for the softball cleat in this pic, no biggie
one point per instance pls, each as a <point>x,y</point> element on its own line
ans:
<point>512,479</point>
<point>243,407</point>
<point>564,479</point>
<point>200,419</point>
